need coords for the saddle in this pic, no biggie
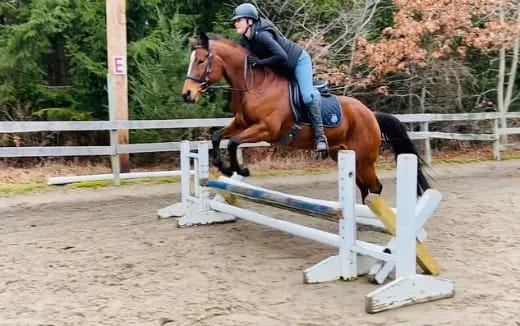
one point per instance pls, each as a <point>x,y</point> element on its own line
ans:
<point>330,107</point>
<point>331,113</point>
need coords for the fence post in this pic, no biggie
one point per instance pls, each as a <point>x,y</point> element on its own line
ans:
<point>185,172</point>
<point>114,158</point>
<point>202,171</point>
<point>117,69</point>
<point>427,146</point>
<point>496,143</point>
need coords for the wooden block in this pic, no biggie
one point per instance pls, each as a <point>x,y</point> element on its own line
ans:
<point>229,198</point>
<point>424,258</point>
<point>408,290</point>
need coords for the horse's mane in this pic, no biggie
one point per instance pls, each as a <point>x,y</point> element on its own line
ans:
<point>220,38</point>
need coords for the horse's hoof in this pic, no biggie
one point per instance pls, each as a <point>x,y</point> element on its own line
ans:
<point>243,172</point>
<point>218,163</point>
<point>226,170</point>
<point>321,155</point>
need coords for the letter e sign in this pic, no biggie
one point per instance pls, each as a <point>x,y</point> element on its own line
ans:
<point>119,65</point>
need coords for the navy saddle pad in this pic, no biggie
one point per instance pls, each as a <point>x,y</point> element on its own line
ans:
<point>330,107</point>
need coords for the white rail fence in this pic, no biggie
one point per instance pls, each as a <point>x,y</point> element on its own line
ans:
<point>115,149</point>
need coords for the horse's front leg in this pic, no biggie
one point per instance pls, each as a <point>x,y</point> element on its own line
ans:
<point>230,130</point>
<point>216,138</point>
<point>253,134</point>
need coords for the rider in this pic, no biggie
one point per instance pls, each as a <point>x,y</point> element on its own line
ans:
<point>272,49</point>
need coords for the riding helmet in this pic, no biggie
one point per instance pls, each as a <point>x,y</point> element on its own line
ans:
<point>245,10</point>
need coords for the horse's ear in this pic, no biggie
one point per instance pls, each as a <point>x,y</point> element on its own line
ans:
<point>204,40</point>
<point>192,41</point>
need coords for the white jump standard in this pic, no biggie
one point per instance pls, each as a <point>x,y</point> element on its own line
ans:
<point>355,257</point>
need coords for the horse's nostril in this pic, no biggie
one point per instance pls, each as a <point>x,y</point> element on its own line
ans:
<point>186,96</point>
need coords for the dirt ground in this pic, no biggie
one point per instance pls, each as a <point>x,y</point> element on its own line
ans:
<point>101,257</point>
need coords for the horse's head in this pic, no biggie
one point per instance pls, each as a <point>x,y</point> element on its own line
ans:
<point>204,69</point>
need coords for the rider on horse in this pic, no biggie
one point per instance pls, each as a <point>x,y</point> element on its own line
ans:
<point>272,49</point>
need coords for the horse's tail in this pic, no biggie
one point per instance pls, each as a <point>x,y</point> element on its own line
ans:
<point>394,133</point>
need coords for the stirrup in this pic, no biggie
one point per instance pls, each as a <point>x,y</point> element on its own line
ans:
<point>321,148</point>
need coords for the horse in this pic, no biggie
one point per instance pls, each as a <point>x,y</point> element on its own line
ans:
<point>261,110</point>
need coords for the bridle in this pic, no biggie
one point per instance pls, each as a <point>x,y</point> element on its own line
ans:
<point>203,80</point>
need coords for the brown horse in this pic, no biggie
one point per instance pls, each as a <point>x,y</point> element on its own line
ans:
<point>261,109</point>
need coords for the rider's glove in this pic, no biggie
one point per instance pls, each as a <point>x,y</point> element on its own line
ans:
<point>252,60</point>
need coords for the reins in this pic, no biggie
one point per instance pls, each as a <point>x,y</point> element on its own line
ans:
<point>247,87</point>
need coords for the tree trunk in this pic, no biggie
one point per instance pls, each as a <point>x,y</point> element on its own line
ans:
<point>504,99</point>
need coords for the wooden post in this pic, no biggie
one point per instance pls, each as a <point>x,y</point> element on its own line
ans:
<point>497,142</point>
<point>427,145</point>
<point>114,158</point>
<point>117,70</point>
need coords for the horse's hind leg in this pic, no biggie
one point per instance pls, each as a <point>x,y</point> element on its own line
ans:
<point>363,188</point>
<point>367,180</point>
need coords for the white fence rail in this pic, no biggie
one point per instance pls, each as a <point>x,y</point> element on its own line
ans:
<point>115,149</point>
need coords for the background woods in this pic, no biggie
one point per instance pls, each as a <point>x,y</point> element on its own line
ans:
<point>397,56</point>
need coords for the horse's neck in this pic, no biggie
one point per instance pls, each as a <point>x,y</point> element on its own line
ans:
<point>233,61</point>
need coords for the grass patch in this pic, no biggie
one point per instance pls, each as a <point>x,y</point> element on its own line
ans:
<point>385,166</point>
<point>7,189</point>
<point>511,157</point>
<point>91,184</point>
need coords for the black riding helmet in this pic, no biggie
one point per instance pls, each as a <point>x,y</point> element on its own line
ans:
<point>245,10</point>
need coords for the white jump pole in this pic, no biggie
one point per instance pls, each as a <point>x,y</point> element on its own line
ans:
<point>102,177</point>
<point>327,238</point>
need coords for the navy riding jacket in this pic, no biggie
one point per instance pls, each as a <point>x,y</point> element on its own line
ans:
<point>272,48</point>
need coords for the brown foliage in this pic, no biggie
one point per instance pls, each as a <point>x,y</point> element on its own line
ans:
<point>427,30</point>
<point>321,53</point>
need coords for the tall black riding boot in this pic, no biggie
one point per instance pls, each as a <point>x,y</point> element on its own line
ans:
<point>320,140</point>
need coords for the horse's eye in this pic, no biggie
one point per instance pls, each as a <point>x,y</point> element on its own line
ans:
<point>201,62</point>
